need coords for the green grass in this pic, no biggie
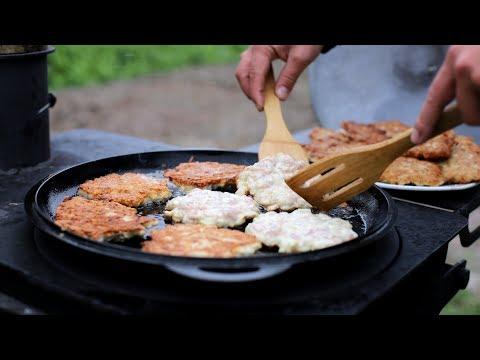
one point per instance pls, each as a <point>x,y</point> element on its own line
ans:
<point>464,303</point>
<point>83,65</point>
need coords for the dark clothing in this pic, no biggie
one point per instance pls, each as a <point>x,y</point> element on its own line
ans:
<point>327,48</point>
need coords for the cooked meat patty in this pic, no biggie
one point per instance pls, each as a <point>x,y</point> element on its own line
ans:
<point>265,181</point>
<point>437,148</point>
<point>201,241</point>
<point>204,175</point>
<point>364,133</point>
<point>326,142</point>
<point>320,134</point>
<point>129,189</point>
<point>300,230</point>
<point>100,220</point>
<point>391,127</point>
<point>463,166</point>
<point>405,171</point>
<point>211,208</point>
<point>318,150</point>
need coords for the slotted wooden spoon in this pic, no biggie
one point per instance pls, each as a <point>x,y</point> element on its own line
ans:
<point>339,177</point>
<point>277,138</point>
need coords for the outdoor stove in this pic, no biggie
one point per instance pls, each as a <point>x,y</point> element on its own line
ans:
<point>406,272</point>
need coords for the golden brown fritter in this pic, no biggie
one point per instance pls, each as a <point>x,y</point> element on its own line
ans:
<point>327,135</point>
<point>204,175</point>
<point>463,166</point>
<point>100,220</point>
<point>201,241</point>
<point>391,127</point>
<point>128,189</point>
<point>353,133</point>
<point>405,171</point>
<point>326,142</point>
<point>317,150</point>
<point>437,148</point>
<point>363,133</point>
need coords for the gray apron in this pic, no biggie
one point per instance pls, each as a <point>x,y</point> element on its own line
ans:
<point>367,83</point>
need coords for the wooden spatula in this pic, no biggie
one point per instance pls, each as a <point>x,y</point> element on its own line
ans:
<point>277,138</point>
<point>339,177</point>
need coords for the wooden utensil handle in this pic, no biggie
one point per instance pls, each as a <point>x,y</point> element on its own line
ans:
<point>449,119</point>
<point>273,112</point>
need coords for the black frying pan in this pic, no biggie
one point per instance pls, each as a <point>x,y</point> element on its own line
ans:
<point>372,217</point>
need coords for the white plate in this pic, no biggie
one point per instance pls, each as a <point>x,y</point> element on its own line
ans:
<point>454,187</point>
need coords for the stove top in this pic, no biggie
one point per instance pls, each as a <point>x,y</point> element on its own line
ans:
<point>405,272</point>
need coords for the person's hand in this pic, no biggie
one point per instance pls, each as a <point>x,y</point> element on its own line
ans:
<point>255,63</point>
<point>458,78</point>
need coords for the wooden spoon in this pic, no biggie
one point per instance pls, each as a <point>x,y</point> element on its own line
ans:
<point>277,138</point>
<point>339,177</point>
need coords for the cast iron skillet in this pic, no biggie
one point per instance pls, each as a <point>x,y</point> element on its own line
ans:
<point>372,217</point>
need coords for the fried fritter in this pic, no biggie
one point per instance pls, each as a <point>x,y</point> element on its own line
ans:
<point>318,150</point>
<point>364,133</point>
<point>100,220</point>
<point>391,127</point>
<point>326,135</point>
<point>129,189</point>
<point>208,207</point>
<point>463,166</point>
<point>437,148</point>
<point>204,175</point>
<point>201,241</point>
<point>405,171</point>
<point>326,142</point>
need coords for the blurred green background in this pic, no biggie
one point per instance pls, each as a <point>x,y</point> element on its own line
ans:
<point>82,65</point>
<point>86,65</point>
<point>464,303</point>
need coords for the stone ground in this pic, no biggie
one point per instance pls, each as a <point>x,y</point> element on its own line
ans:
<point>196,107</point>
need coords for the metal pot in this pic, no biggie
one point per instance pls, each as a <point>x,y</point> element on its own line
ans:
<point>24,104</point>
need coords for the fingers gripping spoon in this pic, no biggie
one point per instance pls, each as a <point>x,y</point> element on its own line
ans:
<point>277,138</point>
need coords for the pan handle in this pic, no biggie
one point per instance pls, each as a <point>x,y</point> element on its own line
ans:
<point>221,275</point>
<point>52,100</point>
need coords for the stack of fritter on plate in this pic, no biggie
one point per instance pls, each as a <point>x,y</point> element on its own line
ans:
<point>445,159</point>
